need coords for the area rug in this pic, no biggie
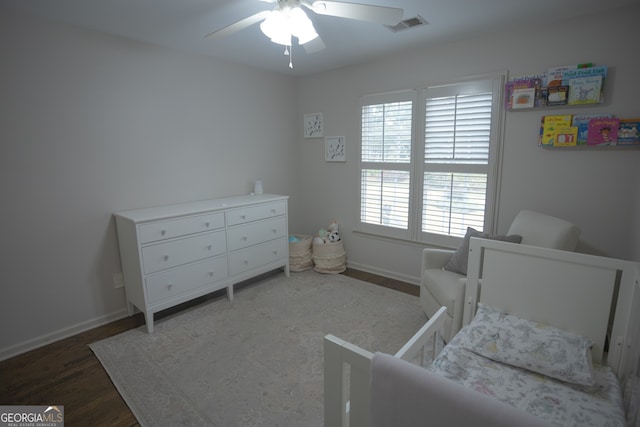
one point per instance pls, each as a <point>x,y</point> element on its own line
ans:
<point>256,361</point>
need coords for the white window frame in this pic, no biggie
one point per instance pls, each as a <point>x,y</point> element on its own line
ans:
<point>417,165</point>
<point>383,98</point>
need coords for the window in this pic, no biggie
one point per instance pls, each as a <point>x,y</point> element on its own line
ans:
<point>386,162</point>
<point>428,161</point>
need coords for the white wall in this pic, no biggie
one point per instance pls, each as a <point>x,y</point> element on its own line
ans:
<point>92,124</point>
<point>597,189</point>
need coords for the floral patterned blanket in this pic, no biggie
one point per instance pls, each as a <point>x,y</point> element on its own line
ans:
<point>560,403</point>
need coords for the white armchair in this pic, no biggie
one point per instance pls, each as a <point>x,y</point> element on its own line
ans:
<point>440,287</point>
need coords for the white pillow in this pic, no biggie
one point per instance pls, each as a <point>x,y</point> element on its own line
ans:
<point>529,345</point>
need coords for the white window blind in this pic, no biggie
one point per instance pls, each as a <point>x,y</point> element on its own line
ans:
<point>457,139</point>
<point>385,198</point>
<point>386,132</point>
<point>428,161</point>
<point>386,149</point>
<point>453,202</point>
<point>458,128</point>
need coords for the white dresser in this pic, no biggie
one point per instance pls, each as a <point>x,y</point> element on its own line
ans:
<point>171,254</point>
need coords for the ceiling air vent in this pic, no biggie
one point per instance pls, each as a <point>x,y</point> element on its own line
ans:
<point>407,23</point>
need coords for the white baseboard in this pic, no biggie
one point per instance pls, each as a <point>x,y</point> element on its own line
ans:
<point>58,335</point>
<point>386,273</point>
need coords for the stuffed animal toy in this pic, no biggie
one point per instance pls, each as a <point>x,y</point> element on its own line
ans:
<point>333,235</point>
<point>321,238</point>
<point>328,236</point>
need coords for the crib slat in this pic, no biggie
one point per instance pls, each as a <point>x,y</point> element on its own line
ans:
<point>360,393</point>
<point>419,339</point>
<point>333,390</point>
<point>338,354</point>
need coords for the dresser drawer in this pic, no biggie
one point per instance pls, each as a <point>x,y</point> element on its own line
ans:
<point>254,213</point>
<point>160,230</point>
<point>181,251</point>
<point>256,232</point>
<point>255,256</point>
<point>172,283</point>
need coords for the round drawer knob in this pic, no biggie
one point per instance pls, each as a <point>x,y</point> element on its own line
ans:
<point>166,257</point>
<point>206,224</point>
<point>211,273</point>
<point>209,247</point>
<point>169,286</point>
<point>163,232</point>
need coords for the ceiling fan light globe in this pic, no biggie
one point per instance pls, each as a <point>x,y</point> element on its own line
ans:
<point>284,40</point>
<point>298,17</point>
<point>275,25</point>
<point>301,26</point>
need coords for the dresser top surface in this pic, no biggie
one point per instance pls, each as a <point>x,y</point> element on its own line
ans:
<point>200,206</point>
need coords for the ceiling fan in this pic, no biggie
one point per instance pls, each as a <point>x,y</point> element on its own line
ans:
<point>288,20</point>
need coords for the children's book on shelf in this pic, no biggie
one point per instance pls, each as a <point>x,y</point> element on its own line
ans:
<point>581,122</point>
<point>557,131</point>
<point>557,95</point>
<point>554,74</point>
<point>585,90</point>
<point>535,82</point>
<point>567,75</point>
<point>524,98</point>
<point>603,131</point>
<point>629,132</point>
<point>566,136</point>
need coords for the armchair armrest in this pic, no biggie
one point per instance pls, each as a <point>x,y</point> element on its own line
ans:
<point>435,258</point>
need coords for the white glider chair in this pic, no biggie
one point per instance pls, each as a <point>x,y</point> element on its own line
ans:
<point>444,270</point>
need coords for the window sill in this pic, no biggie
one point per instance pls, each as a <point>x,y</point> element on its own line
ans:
<point>408,242</point>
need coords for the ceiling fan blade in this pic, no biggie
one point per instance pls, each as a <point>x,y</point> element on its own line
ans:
<point>237,26</point>
<point>362,12</point>
<point>313,46</point>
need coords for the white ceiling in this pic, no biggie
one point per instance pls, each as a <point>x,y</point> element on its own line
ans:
<point>182,24</point>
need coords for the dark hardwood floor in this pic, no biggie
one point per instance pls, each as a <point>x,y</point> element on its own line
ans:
<point>67,373</point>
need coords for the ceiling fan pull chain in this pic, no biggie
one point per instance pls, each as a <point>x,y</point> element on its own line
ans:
<point>290,58</point>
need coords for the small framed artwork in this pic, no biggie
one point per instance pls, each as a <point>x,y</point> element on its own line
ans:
<point>313,126</point>
<point>334,150</point>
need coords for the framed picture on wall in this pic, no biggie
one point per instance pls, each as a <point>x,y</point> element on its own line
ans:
<point>313,125</point>
<point>334,149</point>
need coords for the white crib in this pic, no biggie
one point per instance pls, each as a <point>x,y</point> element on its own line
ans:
<point>595,297</point>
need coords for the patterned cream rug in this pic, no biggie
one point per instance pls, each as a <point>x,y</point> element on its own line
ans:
<point>256,361</point>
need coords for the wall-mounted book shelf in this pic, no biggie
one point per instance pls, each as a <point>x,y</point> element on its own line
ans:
<point>571,86</point>
<point>568,85</point>
<point>588,130</point>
